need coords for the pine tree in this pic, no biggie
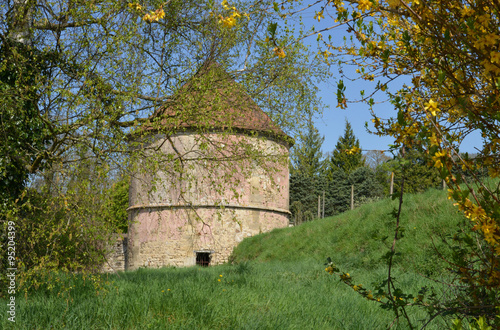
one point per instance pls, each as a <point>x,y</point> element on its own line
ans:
<point>307,158</point>
<point>306,171</point>
<point>347,154</point>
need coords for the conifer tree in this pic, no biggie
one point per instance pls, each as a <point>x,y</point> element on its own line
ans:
<point>306,171</point>
<point>347,154</point>
<point>307,158</point>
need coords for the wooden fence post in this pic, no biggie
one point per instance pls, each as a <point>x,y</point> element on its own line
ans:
<point>323,215</point>
<point>319,206</point>
<point>392,183</point>
<point>352,197</point>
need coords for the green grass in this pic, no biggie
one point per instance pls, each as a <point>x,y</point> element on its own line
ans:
<point>277,280</point>
<point>275,295</point>
<point>359,238</point>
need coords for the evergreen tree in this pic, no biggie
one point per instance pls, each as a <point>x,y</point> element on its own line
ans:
<point>366,186</point>
<point>419,176</point>
<point>307,158</point>
<point>306,172</point>
<point>338,194</point>
<point>338,189</point>
<point>347,154</point>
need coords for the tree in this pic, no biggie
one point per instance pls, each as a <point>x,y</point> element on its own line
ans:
<point>304,192</point>
<point>419,176</point>
<point>379,162</point>
<point>375,158</point>
<point>366,187</point>
<point>306,171</point>
<point>339,193</point>
<point>22,127</point>
<point>93,92</point>
<point>116,204</point>
<point>306,156</point>
<point>78,78</point>
<point>347,153</point>
<point>449,51</point>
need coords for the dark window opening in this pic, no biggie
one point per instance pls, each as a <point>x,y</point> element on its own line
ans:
<point>203,259</point>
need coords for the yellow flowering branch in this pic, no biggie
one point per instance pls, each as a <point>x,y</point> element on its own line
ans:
<point>232,16</point>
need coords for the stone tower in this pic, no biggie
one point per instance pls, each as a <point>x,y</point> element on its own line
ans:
<point>214,171</point>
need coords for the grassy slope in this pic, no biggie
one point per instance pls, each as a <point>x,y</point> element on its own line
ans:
<point>355,239</point>
<point>277,282</point>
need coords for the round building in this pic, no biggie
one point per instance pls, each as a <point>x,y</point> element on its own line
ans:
<point>214,170</point>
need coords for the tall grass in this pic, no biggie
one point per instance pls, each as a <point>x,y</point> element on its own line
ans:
<point>277,280</point>
<point>274,295</point>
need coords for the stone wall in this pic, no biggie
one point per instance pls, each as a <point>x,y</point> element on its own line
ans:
<point>221,197</point>
<point>163,237</point>
<point>116,258</point>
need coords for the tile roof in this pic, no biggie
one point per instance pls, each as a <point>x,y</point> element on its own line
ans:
<point>212,100</point>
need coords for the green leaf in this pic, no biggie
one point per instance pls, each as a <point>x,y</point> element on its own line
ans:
<point>272,29</point>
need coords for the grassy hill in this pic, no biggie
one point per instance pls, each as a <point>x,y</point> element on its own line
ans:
<point>359,238</point>
<point>276,280</point>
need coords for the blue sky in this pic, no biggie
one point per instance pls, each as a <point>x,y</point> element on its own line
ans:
<point>331,125</point>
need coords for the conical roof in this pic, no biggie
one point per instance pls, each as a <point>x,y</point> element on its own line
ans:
<point>212,100</point>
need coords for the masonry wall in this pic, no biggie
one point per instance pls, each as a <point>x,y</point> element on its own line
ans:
<point>219,194</point>
<point>116,258</point>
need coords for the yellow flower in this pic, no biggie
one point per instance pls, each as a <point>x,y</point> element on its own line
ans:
<point>354,150</point>
<point>467,11</point>
<point>278,51</point>
<point>135,6</point>
<point>434,140</point>
<point>326,54</point>
<point>432,107</point>
<point>441,153</point>
<point>494,172</point>
<point>154,16</point>
<point>319,16</point>
<point>364,5</point>
<point>437,158</point>
<point>228,22</point>
<point>486,41</point>
<point>495,57</point>
<point>160,13</point>
<point>345,276</point>
<point>220,275</point>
